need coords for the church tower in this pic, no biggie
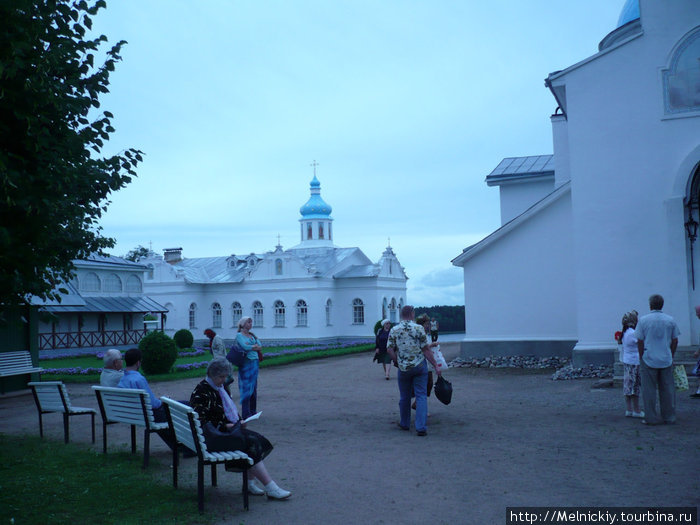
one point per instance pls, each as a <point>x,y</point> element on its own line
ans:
<point>316,221</point>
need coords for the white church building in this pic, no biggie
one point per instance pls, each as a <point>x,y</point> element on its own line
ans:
<point>314,290</point>
<point>611,217</point>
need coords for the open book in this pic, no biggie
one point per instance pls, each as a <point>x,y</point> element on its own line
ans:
<point>252,418</point>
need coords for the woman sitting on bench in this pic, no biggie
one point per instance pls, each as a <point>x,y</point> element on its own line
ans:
<point>223,429</point>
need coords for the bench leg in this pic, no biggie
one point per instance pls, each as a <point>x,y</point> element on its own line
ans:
<point>41,426</point>
<point>176,460</point>
<point>92,416</point>
<point>245,488</point>
<point>213,474</point>
<point>200,486</point>
<point>146,447</point>
<point>66,426</point>
<point>104,437</point>
<point>133,439</point>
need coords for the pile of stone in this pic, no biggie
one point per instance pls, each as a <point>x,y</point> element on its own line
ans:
<point>569,372</point>
<point>512,361</point>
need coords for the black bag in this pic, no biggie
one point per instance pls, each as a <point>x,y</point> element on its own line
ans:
<point>443,390</point>
<point>237,355</point>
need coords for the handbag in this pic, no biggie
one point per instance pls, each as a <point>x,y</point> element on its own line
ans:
<point>680,378</point>
<point>439,359</point>
<point>237,355</point>
<point>443,390</point>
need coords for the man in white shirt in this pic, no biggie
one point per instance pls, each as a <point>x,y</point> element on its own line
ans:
<point>657,340</point>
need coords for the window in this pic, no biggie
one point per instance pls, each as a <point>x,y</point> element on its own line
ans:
<point>278,266</point>
<point>90,283</point>
<point>329,306</point>
<point>320,230</point>
<point>133,284</point>
<point>392,310</point>
<point>329,232</point>
<point>385,304</point>
<point>257,314</point>
<point>309,234</point>
<point>193,316</point>
<point>682,79</point>
<point>113,283</point>
<point>279,313</point>
<point>216,315</point>
<point>358,311</point>
<point>236,312</point>
<point>302,313</point>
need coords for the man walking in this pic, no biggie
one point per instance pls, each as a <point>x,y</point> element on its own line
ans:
<point>408,348</point>
<point>657,339</point>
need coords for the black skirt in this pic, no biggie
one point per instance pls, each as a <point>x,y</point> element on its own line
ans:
<point>257,446</point>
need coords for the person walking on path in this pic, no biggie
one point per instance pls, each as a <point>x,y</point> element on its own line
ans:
<point>216,343</point>
<point>657,340</point>
<point>248,373</point>
<point>409,350</point>
<point>380,353</point>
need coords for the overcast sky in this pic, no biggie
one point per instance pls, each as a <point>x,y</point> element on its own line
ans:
<point>405,105</point>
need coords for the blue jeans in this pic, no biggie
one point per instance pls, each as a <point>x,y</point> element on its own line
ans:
<point>414,381</point>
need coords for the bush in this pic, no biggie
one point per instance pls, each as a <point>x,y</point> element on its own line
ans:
<point>159,353</point>
<point>183,338</point>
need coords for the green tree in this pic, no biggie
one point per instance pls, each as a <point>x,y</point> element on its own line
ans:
<point>54,182</point>
<point>138,253</point>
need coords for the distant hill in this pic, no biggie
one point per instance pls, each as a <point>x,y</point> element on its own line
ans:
<point>450,318</point>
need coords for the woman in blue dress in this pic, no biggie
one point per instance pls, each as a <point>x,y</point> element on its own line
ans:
<point>248,373</point>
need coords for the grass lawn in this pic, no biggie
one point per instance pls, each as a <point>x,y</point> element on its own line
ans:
<point>93,362</point>
<point>51,482</point>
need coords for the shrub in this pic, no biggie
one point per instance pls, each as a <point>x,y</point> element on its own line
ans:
<point>184,338</point>
<point>159,353</point>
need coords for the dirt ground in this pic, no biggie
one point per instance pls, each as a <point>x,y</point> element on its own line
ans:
<point>509,438</point>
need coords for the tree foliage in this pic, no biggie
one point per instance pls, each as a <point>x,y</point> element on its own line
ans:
<point>54,183</point>
<point>138,253</point>
<point>449,318</point>
<point>158,353</point>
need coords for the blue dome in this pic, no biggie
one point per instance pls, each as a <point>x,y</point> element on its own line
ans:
<point>630,11</point>
<point>315,207</point>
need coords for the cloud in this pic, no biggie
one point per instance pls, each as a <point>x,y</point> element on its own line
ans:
<point>444,278</point>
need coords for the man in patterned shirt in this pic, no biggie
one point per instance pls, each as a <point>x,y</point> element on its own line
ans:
<point>409,349</point>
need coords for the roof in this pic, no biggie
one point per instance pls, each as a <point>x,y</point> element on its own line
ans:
<point>521,168</point>
<point>140,304</point>
<point>358,270</point>
<point>109,260</point>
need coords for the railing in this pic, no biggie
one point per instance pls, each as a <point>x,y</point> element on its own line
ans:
<point>89,339</point>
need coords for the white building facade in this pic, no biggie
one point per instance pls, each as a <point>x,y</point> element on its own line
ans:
<point>314,290</point>
<point>611,218</point>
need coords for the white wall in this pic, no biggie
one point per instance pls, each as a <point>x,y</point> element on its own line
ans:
<point>516,197</point>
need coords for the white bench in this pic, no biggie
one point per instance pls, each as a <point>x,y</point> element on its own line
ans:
<point>52,396</point>
<point>131,406</point>
<point>188,432</point>
<point>16,364</point>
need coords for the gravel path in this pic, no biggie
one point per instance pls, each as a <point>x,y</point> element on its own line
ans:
<point>509,438</point>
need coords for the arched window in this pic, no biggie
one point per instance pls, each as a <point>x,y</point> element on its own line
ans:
<point>302,313</point>
<point>133,284</point>
<point>392,310</point>
<point>329,307</point>
<point>309,233</point>
<point>113,283</point>
<point>320,230</point>
<point>278,266</point>
<point>385,305</point>
<point>236,313</point>
<point>193,316</point>
<point>258,314</point>
<point>90,283</point>
<point>216,315</point>
<point>682,79</point>
<point>279,313</point>
<point>358,311</point>
<point>329,232</point>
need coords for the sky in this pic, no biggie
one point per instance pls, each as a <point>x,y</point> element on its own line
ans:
<point>406,106</point>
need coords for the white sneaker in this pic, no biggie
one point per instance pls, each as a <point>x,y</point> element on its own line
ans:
<point>275,492</point>
<point>254,489</point>
<point>638,414</point>
<point>628,413</point>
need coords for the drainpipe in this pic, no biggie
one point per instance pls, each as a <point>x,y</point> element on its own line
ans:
<point>548,84</point>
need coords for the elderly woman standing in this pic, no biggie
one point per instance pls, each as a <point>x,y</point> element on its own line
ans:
<point>223,429</point>
<point>630,361</point>
<point>380,354</point>
<point>248,373</point>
